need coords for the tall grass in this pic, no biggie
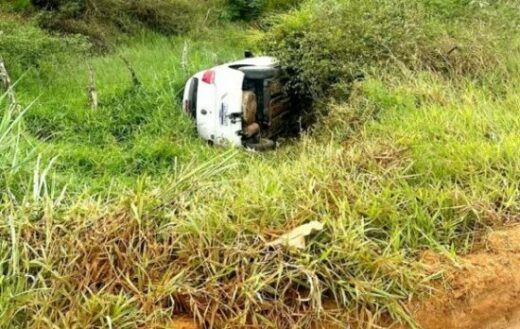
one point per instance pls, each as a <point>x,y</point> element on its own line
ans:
<point>126,219</point>
<point>437,165</point>
<point>136,130</point>
<point>14,151</point>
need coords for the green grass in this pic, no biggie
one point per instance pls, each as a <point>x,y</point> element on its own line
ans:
<point>136,130</point>
<point>122,217</point>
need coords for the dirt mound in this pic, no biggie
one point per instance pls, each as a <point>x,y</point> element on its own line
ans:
<point>483,292</point>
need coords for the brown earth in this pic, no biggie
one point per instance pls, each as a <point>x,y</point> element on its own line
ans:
<point>482,292</point>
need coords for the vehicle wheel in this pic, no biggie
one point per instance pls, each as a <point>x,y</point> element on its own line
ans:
<point>263,144</point>
<point>259,72</point>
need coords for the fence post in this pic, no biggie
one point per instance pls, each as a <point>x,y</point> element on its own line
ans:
<point>91,88</point>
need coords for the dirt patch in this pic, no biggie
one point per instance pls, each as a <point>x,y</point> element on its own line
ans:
<point>482,292</point>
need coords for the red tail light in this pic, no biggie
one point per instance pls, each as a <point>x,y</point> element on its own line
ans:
<point>209,77</point>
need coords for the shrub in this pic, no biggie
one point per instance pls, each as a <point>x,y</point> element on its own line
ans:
<point>282,4</point>
<point>17,5</point>
<point>326,43</point>
<point>24,45</point>
<point>168,17</point>
<point>102,20</point>
<point>245,9</point>
<point>253,9</point>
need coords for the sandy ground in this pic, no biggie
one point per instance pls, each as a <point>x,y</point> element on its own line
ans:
<point>481,291</point>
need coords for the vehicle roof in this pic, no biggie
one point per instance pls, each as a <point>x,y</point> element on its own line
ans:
<point>255,61</point>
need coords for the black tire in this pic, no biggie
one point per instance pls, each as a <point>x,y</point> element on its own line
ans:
<point>263,145</point>
<point>259,72</point>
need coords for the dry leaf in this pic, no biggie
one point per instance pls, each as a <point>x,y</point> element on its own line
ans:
<point>296,237</point>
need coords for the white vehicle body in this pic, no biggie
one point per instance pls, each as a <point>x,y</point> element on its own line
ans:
<point>214,98</point>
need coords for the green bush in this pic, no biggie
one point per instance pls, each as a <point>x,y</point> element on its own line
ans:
<point>168,17</point>
<point>17,5</point>
<point>327,43</point>
<point>253,9</point>
<point>246,9</point>
<point>273,5</point>
<point>103,20</point>
<point>24,45</point>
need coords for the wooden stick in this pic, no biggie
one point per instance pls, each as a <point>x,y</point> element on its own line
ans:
<point>91,88</point>
<point>5,83</point>
<point>184,58</point>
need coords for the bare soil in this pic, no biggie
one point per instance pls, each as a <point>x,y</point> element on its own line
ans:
<point>482,292</point>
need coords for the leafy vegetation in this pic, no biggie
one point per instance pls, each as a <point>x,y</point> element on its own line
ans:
<point>254,9</point>
<point>103,21</point>
<point>121,217</point>
<point>452,36</point>
<point>24,45</point>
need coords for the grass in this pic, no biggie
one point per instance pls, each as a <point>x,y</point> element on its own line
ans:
<point>136,130</point>
<point>123,218</point>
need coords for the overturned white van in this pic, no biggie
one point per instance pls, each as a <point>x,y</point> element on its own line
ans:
<point>242,103</point>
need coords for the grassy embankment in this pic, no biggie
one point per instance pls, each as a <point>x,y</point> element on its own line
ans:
<point>122,217</point>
